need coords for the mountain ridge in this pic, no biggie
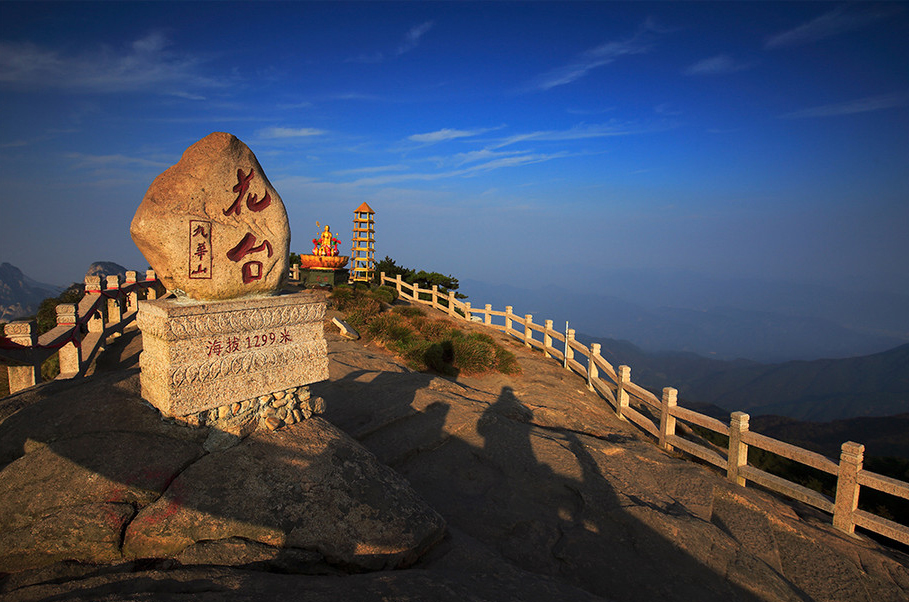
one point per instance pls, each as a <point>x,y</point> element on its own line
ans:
<point>817,390</point>
<point>20,295</point>
<point>721,326</point>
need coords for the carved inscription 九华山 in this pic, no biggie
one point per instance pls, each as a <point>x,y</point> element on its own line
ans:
<point>200,264</point>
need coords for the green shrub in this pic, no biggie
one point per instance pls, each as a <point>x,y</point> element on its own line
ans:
<point>474,353</point>
<point>439,356</point>
<point>385,294</point>
<point>435,330</point>
<point>507,362</point>
<point>409,311</point>
<point>425,344</point>
<point>390,327</point>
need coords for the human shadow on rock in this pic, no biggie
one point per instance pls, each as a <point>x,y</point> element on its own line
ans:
<point>537,496</point>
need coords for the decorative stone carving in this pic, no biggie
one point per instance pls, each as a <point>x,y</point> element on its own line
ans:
<point>199,356</point>
<point>212,226</point>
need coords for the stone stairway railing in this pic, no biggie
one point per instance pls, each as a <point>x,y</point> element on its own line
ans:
<point>659,416</point>
<point>82,329</point>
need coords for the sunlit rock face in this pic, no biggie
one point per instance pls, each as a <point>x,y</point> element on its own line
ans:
<point>212,226</point>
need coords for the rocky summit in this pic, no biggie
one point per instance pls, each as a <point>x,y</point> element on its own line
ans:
<point>212,226</point>
<point>409,487</point>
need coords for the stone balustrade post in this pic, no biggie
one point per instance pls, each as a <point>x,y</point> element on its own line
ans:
<point>132,297</point>
<point>852,456</point>
<point>295,272</point>
<point>508,318</point>
<point>528,334</point>
<point>592,370</point>
<point>398,283</point>
<point>621,395</point>
<point>114,304</point>
<point>488,318</point>
<point>547,338</point>
<point>99,318</point>
<point>92,284</point>
<point>451,304</point>
<point>667,420</point>
<point>569,352</point>
<point>70,354</point>
<point>467,314</point>
<point>738,450</point>
<point>435,296</point>
<point>23,333</point>
<point>151,291</point>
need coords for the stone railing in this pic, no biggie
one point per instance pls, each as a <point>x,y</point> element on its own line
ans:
<point>659,417</point>
<point>82,330</point>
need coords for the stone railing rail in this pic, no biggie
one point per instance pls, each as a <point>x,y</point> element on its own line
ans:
<point>659,416</point>
<point>82,329</point>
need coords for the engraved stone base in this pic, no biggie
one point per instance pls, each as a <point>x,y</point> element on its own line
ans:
<point>199,356</point>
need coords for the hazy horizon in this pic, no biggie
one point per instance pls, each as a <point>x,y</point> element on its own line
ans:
<point>524,144</point>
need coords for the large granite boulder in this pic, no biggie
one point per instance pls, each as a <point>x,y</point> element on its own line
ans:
<point>89,473</point>
<point>308,487</point>
<point>212,226</point>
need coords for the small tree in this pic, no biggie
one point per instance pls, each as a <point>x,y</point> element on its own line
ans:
<point>47,311</point>
<point>423,278</point>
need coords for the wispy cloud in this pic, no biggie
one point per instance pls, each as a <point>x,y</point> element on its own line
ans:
<point>834,22</point>
<point>82,160</point>
<point>303,104</point>
<point>666,108</point>
<point>580,132</point>
<point>589,111</point>
<point>374,169</point>
<point>593,58</point>
<point>720,64</point>
<point>515,160</point>
<point>411,40</point>
<point>146,65</point>
<point>862,105</point>
<point>445,134</point>
<point>279,132</point>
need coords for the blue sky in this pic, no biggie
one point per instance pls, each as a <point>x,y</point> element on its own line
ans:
<point>505,142</point>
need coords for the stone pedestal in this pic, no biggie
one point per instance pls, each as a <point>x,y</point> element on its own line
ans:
<point>202,356</point>
<point>323,276</point>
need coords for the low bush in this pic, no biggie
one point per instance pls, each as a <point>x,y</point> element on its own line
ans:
<point>409,311</point>
<point>426,344</point>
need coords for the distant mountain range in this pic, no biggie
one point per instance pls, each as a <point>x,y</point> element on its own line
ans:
<point>867,377</point>
<point>20,296</point>
<point>818,390</point>
<point>766,323</point>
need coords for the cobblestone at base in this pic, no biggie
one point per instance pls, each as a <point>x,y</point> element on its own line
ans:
<point>271,411</point>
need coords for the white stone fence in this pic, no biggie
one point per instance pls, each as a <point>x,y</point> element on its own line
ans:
<point>82,329</point>
<point>659,416</point>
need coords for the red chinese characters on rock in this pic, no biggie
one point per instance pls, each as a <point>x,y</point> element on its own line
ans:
<point>230,345</point>
<point>251,269</point>
<point>200,260</point>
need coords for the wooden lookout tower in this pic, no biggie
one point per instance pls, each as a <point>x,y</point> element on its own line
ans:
<point>363,243</point>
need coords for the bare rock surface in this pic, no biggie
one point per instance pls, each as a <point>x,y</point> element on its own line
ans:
<point>212,226</point>
<point>308,486</point>
<point>546,494</point>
